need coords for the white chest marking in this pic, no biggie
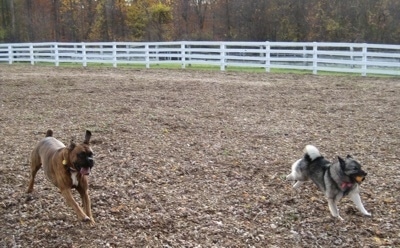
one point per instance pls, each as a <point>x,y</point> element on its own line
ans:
<point>74,178</point>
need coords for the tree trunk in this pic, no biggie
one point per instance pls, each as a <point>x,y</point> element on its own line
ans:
<point>12,15</point>
<point>56,20</point>
<point>29,10</point>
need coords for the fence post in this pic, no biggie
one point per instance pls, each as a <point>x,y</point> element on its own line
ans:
<point>147,52</point>
<point>84,58</point>
<point>31,57</point>
<point>223,53</point>
<point>183,59</point>
<point>352,57</point>
<point>56,57</point>
<point>315,58</point>
<point>10,54</point>
<point>267,57</point>
<point>364,60</point>
<point>114,52</point>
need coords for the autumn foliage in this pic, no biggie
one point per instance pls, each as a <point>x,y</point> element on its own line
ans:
<point>373,21</point>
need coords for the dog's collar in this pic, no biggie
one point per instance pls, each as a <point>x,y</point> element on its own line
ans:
<point>345,186</point>
<point>70,169</point>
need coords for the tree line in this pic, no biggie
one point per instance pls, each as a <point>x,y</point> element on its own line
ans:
<point>372,21</point>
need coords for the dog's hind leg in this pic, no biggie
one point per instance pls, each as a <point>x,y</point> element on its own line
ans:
<point>355,197</point>
<point>293,175</point>
<point>35,166</point>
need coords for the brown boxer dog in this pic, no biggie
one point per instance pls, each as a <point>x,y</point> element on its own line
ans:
<point>66,168</point>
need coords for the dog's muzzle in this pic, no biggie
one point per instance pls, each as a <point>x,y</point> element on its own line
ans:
<point>84,169</point>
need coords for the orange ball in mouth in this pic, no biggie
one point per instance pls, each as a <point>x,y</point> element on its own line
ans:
<point>359,179</point>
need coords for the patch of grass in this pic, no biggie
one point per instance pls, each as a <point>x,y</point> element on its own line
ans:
<point>206,67</point>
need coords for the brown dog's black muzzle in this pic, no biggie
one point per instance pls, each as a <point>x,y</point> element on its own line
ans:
<point>90,161</point>
<point>84,166</point>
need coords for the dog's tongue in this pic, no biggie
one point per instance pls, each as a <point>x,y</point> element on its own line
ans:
<point>346,185</point>
<point>85,171</point>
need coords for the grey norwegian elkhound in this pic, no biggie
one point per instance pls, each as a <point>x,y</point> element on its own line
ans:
<point>336,180</point>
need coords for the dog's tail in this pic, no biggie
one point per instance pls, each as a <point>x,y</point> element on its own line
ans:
<point>49,133</point>
<point>312,152</point>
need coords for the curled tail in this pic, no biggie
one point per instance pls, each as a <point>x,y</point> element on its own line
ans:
<point>312,152</point>
<point>49,133</point>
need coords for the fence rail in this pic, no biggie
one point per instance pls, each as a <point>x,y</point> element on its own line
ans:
<point>358,58</point>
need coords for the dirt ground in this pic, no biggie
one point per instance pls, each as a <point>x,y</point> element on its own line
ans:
<point>188,158</point>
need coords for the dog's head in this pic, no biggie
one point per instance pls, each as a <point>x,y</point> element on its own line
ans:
<point>352,169</point>
<point>81,155</point>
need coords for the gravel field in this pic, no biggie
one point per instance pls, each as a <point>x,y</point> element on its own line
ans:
<point>191,158</point>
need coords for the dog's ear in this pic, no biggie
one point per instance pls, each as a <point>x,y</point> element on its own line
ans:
<point>349,156</point>
<point>72,145</point>
<point>342,163</point>
<point>87,137</point>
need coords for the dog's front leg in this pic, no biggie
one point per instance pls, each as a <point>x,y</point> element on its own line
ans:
<point>355,197</point>
<point>72,203</point>
<point>333,208</point>
<point>86,202</point>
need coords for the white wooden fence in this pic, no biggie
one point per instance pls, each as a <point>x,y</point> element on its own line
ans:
<point>357,58</point>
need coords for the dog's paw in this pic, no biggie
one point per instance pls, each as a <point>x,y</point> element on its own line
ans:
<point>86,219</point>
<point>29,198</point>
<point>297,184</point>
<point>367,214</point>
<point>337,217</point>
<point>89,220</point>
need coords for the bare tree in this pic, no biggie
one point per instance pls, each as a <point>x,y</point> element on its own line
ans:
<point>56,19</point>
<point>29,11</point>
